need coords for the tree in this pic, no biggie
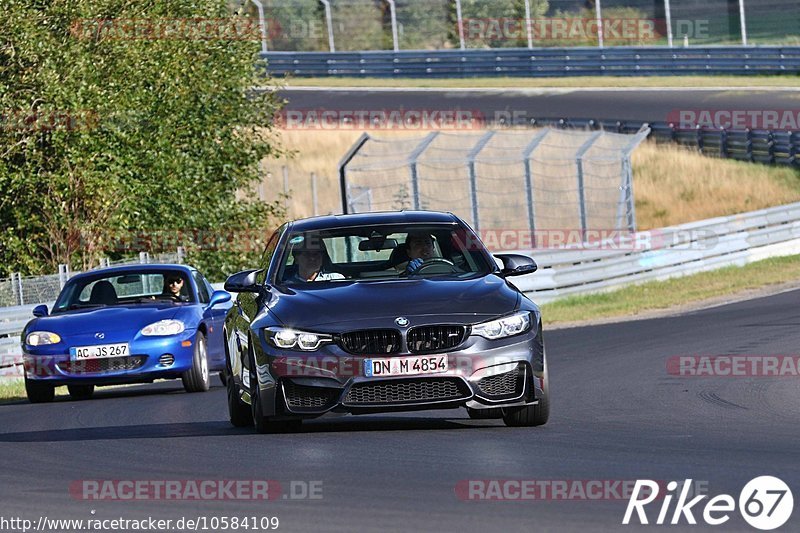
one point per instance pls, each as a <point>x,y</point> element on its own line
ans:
<point>125,119</point>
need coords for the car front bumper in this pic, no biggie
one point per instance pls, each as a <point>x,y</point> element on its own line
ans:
<point>149,358</point>
<point>481,374</point>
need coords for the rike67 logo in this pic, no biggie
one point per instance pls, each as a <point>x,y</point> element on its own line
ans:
<point>765,503</point>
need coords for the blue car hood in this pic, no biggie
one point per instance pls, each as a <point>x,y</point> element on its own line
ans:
<point>359,303</point>
<point>115,319</point>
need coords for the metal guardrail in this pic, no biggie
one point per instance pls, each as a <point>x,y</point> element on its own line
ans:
<point>538,62</point>
<point>754,145</point>
<point>664,253</point>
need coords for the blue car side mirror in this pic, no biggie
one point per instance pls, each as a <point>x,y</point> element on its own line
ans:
<point>219,297</point>
<point>40,310</point>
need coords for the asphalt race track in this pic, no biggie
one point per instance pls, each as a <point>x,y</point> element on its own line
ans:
<point>617,415</point>
<point>647,105</point>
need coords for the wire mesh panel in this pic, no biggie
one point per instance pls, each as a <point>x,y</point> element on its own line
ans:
<point>361,25</point>
<point>295,25</point>
<point>568,183</point>
<point>773,22</point>
<point>425,25</point>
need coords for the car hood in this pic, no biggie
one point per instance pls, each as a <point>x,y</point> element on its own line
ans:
<point>378,303</point>
<point>114,319</point>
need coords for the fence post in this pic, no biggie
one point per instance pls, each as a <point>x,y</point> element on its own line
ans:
<point>144,257</point>
<point>285,171</point>
<point>181,252</point>
<point>723,143</point>
<point>412,163</point>
<point>743,22</point>
<point>20,291</point>
<point>393,14</point>
<point>262,23</point>
<point>473,178</point>
<point>314,193</point>
<point>668,15</point>
<point>581,191</point>
<point>528,23</point>
<point>460,22</point>
<point>62,275</point>
<point>599,11</point>
<point>529,196</point>
<point>329,22</point>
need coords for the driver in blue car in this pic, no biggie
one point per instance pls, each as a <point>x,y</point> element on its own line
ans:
<point>420,248</point>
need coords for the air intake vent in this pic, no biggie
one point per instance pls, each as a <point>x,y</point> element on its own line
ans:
<point>416,390</point>
<point>429,339</point>
<point>304,398</point>
<point>98,366</point>
<point>371,341</point>
<point>506,385</point>
<point>166,360</point>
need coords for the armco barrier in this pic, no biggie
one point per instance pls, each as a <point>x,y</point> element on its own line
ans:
<point>673,251</point>
<point>538,62</point>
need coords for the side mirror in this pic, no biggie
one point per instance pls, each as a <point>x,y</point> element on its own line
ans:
<point>244,281</point>
<point>516,265</point>
<point>40,310</point>
<point>219,297</point>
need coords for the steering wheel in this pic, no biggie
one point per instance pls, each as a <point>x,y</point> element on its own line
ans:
<point>435,265</point>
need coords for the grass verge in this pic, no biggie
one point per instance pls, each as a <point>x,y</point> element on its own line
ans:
<point>672,293</point>
<point>11,389</point>
<point>688,82</point>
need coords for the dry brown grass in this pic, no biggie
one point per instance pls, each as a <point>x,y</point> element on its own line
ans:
<point>671,184</point>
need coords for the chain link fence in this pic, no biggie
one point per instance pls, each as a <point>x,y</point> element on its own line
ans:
<point>24,290</point>
<point>362,25</point>
<point>534,181</point>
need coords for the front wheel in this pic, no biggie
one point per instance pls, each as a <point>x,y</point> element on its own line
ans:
<point>80,392</point>
<point>531,415</point>
<point>196,378</point>
<point>39,392</point>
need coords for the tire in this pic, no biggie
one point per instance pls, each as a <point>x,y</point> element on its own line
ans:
<point>196,379</point>
<point>80,392</point>
<point>485,414</point>
<point>222,378</point>
<point>238,411</point>
<point>39,392</point>
<point>531,415</point>
<point>266,424</point>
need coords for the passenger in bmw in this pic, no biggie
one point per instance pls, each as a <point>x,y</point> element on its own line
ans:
<point>309,264</point>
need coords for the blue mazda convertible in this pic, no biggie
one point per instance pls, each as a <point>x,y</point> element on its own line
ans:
<point>127,324</point>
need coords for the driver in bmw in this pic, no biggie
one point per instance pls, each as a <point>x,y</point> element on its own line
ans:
<point>420,248</point>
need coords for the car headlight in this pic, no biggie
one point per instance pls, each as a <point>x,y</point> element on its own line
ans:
<point>163,328</point>
<point>288,339</point>
<point>504,327</point>
<point>40,338</point>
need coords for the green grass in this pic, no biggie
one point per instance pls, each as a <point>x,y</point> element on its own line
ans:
<point>787,80</point>
<point>11,389</point>
<point>673,292</point>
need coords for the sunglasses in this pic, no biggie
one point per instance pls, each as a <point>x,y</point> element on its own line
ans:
<point>175,281</point>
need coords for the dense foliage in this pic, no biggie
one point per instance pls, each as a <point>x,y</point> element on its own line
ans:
<point>120,133</point>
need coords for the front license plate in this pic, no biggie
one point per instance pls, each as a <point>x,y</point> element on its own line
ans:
<point>100,351</point>
<point>405,366</point>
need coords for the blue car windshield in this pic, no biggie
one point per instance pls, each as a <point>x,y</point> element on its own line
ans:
<point>383,252</point>
<point>125,288</point>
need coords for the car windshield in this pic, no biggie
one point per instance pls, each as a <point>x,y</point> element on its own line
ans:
<point>383,252</point>
<point>125,288</point>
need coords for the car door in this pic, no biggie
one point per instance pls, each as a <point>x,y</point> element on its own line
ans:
<point>214,318</point>
<point>245,309</point>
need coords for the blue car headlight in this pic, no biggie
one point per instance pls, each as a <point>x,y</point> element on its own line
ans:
<point>163,328</point>
<point>41,338</point>
<point>292,339</point>
<point>504,327</point>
